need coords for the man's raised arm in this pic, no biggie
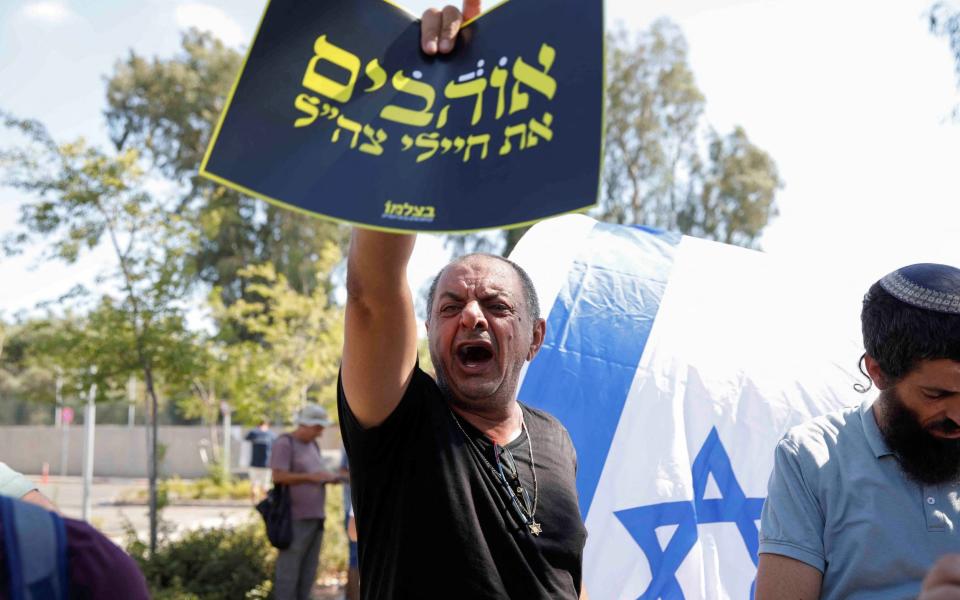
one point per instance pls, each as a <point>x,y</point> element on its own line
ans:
<point>380,329</point>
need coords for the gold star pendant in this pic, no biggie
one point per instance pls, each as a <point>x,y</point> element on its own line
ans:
<point>535,528</point>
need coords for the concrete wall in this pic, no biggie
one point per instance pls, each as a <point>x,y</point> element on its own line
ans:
<point>121,451</point>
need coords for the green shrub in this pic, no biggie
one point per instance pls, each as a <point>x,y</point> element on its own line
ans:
<point>229,563</point>
<point>174,489</point>
<point>207,564</point>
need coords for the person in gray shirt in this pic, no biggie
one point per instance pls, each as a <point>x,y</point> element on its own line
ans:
<point>863,502</point>
<point>296,461</point>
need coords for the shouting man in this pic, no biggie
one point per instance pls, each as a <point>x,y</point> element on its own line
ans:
<point>459,490</point>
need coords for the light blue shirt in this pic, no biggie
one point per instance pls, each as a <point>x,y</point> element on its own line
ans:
<point>13,484</point>
<point>839,502</point>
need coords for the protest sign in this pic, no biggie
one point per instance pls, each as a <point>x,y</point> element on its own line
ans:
<point>338,113</point>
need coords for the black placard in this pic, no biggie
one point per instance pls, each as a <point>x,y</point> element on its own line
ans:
<point>338,113</point>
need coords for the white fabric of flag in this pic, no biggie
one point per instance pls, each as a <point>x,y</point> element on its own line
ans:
<point>677,364</point>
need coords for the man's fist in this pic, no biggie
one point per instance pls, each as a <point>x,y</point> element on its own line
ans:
<point>438,28</point>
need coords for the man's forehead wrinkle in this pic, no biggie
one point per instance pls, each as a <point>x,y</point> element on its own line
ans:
<point>481,289</point>
<point>450,294</point>
<point>488,281</point>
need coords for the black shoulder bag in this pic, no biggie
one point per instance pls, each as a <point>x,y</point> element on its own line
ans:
<point>275,510</point>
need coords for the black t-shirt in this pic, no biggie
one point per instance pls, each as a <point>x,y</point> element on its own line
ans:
<point>434,523</point>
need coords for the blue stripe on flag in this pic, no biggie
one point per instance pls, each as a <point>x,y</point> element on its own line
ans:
<point>596,333</point>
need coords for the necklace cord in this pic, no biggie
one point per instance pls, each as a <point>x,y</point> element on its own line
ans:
<point>530,520</point>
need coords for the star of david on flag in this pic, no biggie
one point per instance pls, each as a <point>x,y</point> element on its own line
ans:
<point>676,364</point>
<point>734,507</point>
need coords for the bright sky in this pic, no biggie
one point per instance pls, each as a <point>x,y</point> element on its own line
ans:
<point>852,99</point>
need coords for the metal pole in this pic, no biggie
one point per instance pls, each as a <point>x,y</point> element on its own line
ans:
<point>89,421</point>
<point>226,439</point>
<point>64,448</point>
<point>154,430</point>
<point>64,426</point>
<point>58,413</point>
<point>132,397</point>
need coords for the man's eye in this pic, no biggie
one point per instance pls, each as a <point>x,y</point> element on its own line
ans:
<point>448,309</point>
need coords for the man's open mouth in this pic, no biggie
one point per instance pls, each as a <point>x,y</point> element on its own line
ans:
<point>473,355</point>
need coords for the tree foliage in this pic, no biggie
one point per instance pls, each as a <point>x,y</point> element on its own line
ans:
<point>653,109</point>
<point>167,107</point>
<point>656,172</point>
<point>733,194</point>
<point>42,350</point>
<point>279,334</point>
<point>297,352</point>
<point>81,196</point>
<point>25,369</point>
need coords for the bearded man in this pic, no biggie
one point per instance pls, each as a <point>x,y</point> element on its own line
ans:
<point>863,502</point>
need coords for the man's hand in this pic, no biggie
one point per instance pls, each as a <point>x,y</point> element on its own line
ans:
<point>438,28</point>
<point>325,477</point>
<point>943,580</point>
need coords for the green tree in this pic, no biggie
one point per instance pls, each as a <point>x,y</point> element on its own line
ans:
<point>80,196</point>
<point>653,110</point>
<point>22,376</point>
<point>45,351</point>
<point>168,107</point>
<point>732,197</point>
<point>655,172</point>
<point>294,358</point>
<point>231,376</point>
<point>300,339</point>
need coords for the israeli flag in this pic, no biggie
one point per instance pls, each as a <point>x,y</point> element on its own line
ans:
<point>677,364</point>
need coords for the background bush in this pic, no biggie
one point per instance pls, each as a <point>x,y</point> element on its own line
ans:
<point>231,562</point>
<point>223,563</point>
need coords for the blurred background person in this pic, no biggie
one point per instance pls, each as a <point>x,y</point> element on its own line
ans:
<point>296,461</point>
<point>261,440</point>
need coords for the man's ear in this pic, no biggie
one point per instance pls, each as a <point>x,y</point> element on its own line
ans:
<point>539,332</point>
<point>879,378</point>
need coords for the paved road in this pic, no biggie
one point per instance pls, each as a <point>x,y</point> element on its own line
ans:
<point>67,494</point>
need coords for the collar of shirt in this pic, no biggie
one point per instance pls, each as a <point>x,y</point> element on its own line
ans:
<point>872,431</point>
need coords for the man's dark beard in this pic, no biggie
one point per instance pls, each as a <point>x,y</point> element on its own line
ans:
<point>925,458</point>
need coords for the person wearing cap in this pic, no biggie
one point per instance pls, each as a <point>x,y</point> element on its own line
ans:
<point>296,461</point>
<point>863,502</point>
